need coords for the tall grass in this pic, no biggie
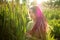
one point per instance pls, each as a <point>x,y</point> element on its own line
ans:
<point>53,17</point>
<point>13,20</point>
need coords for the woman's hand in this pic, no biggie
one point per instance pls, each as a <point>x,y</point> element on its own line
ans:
<point>28,35</point>
<point>31,37</point>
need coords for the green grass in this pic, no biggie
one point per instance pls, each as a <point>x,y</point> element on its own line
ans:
<point>14,21</point>
<point>53,17</point>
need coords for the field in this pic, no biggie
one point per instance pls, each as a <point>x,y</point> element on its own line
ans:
<point>13,21</point>
<point>53,17</point>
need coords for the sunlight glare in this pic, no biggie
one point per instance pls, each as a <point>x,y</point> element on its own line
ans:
<point>40,1</point>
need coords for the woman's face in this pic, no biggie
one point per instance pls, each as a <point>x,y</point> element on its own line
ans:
<point>32,15</point>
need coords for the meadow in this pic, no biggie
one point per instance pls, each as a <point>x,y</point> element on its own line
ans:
<point>13,21</point>
<point>53,18</point>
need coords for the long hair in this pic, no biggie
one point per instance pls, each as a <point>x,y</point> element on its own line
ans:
<point>39,29</point>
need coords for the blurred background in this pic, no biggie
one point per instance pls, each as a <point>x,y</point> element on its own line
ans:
<point>14,13</point>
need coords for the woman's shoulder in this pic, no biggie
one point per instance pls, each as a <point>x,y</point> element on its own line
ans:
<point>30,25</point>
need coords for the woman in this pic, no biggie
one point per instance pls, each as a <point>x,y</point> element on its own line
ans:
<point>38,29</point>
